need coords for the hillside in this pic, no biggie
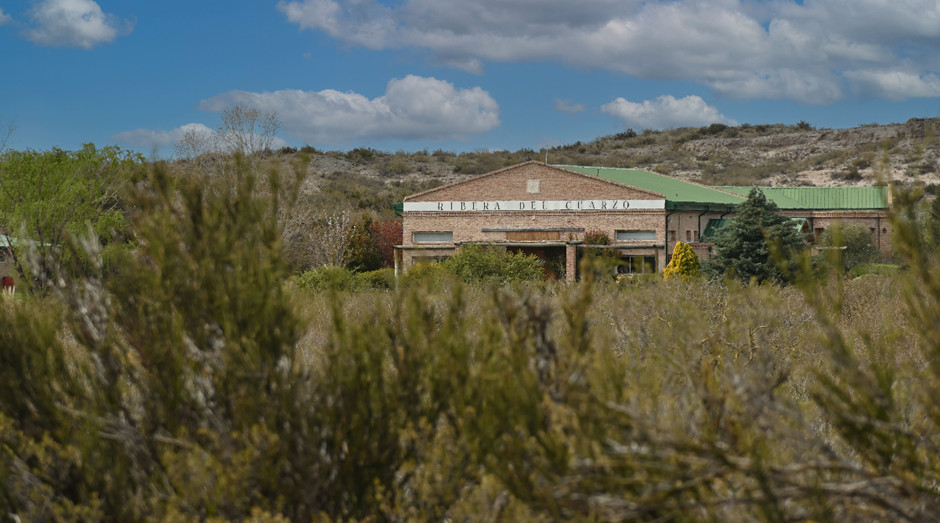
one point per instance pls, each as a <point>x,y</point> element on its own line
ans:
<point>718,154</point>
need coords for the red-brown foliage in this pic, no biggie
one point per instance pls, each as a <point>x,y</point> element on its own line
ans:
<point>386,234</point>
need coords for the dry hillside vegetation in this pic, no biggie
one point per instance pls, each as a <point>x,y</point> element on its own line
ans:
<point>718,154</point>
<point>190,376</point>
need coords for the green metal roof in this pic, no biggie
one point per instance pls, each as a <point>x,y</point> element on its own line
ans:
<point>789,198</point>
<point>676,192</point>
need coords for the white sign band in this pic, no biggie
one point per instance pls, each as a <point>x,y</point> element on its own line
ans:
<point>533,205</point>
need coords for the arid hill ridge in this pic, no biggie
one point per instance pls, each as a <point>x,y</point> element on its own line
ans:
<point>372,181</point>
<point>718,154</point>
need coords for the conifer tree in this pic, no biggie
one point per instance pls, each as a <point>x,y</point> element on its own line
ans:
<point>749,247</point>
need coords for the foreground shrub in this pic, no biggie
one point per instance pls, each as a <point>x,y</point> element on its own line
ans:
<point>187,386</point>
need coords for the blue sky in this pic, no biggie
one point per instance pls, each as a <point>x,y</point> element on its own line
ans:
<point>459,75</point>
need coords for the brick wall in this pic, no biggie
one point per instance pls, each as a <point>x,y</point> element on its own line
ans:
<point>876,221</point>
<point>531,181</point>
<point>512,183</point>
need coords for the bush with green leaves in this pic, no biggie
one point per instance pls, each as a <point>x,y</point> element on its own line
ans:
<point>849,245</point>
<point>191,384</point>
<point>379,279</point>
<point>342,279</point>
<point>595,259</point>
<point>328,278</point>
<point>490,264</point>
<point>362,254</point>
<point>432,275</point>
<point>50,196</point>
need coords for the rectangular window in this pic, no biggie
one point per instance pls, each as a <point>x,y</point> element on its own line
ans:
<point>695,236</point>
<point>688,235</point>
<point>636,236</point>
<point>433,237</point>
<point>672,236</point>
<point>637,265</point>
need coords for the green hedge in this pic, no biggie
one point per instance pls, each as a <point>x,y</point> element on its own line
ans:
<point>343,279</point>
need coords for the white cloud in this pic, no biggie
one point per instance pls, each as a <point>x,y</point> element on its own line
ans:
<point>4,18</point>
<point>206,138</point>
<point>665,112</point>
<point>567,106</point>
<point>897,85</point>
<point>413,107</point>
<point>742,49</point>
<point>149,139</point>
<point>73,23</point>
<point>160,139</point>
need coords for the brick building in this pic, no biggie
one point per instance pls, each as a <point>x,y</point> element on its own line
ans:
<point>547,210</point>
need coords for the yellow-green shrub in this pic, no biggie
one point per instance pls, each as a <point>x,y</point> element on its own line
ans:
<point>684,262</point>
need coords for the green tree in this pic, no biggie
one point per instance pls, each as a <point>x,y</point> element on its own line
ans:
<point>684,262</point>
<point>47,196</point>
<point>756,242</point>
<point>386,235</point>
<point>594,258</point>
<point>852,242</point>
<point>361,252</point>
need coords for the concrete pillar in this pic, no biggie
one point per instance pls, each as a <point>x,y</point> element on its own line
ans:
<point>571,262</point>
<point>396,252</point>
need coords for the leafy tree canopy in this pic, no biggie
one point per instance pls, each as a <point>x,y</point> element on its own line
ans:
<point>855,243</point>
<point>750,245</point>
<point>362,255</point>
<point>46,195</point>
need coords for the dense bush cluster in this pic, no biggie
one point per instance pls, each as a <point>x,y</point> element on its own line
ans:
<point>342,279</point>
<point>483,264</point>
<point>475,264</point>
<point>198,381</point>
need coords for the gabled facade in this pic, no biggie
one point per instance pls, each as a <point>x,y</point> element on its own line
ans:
<point>538,209</point>
<point>548,210</point>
